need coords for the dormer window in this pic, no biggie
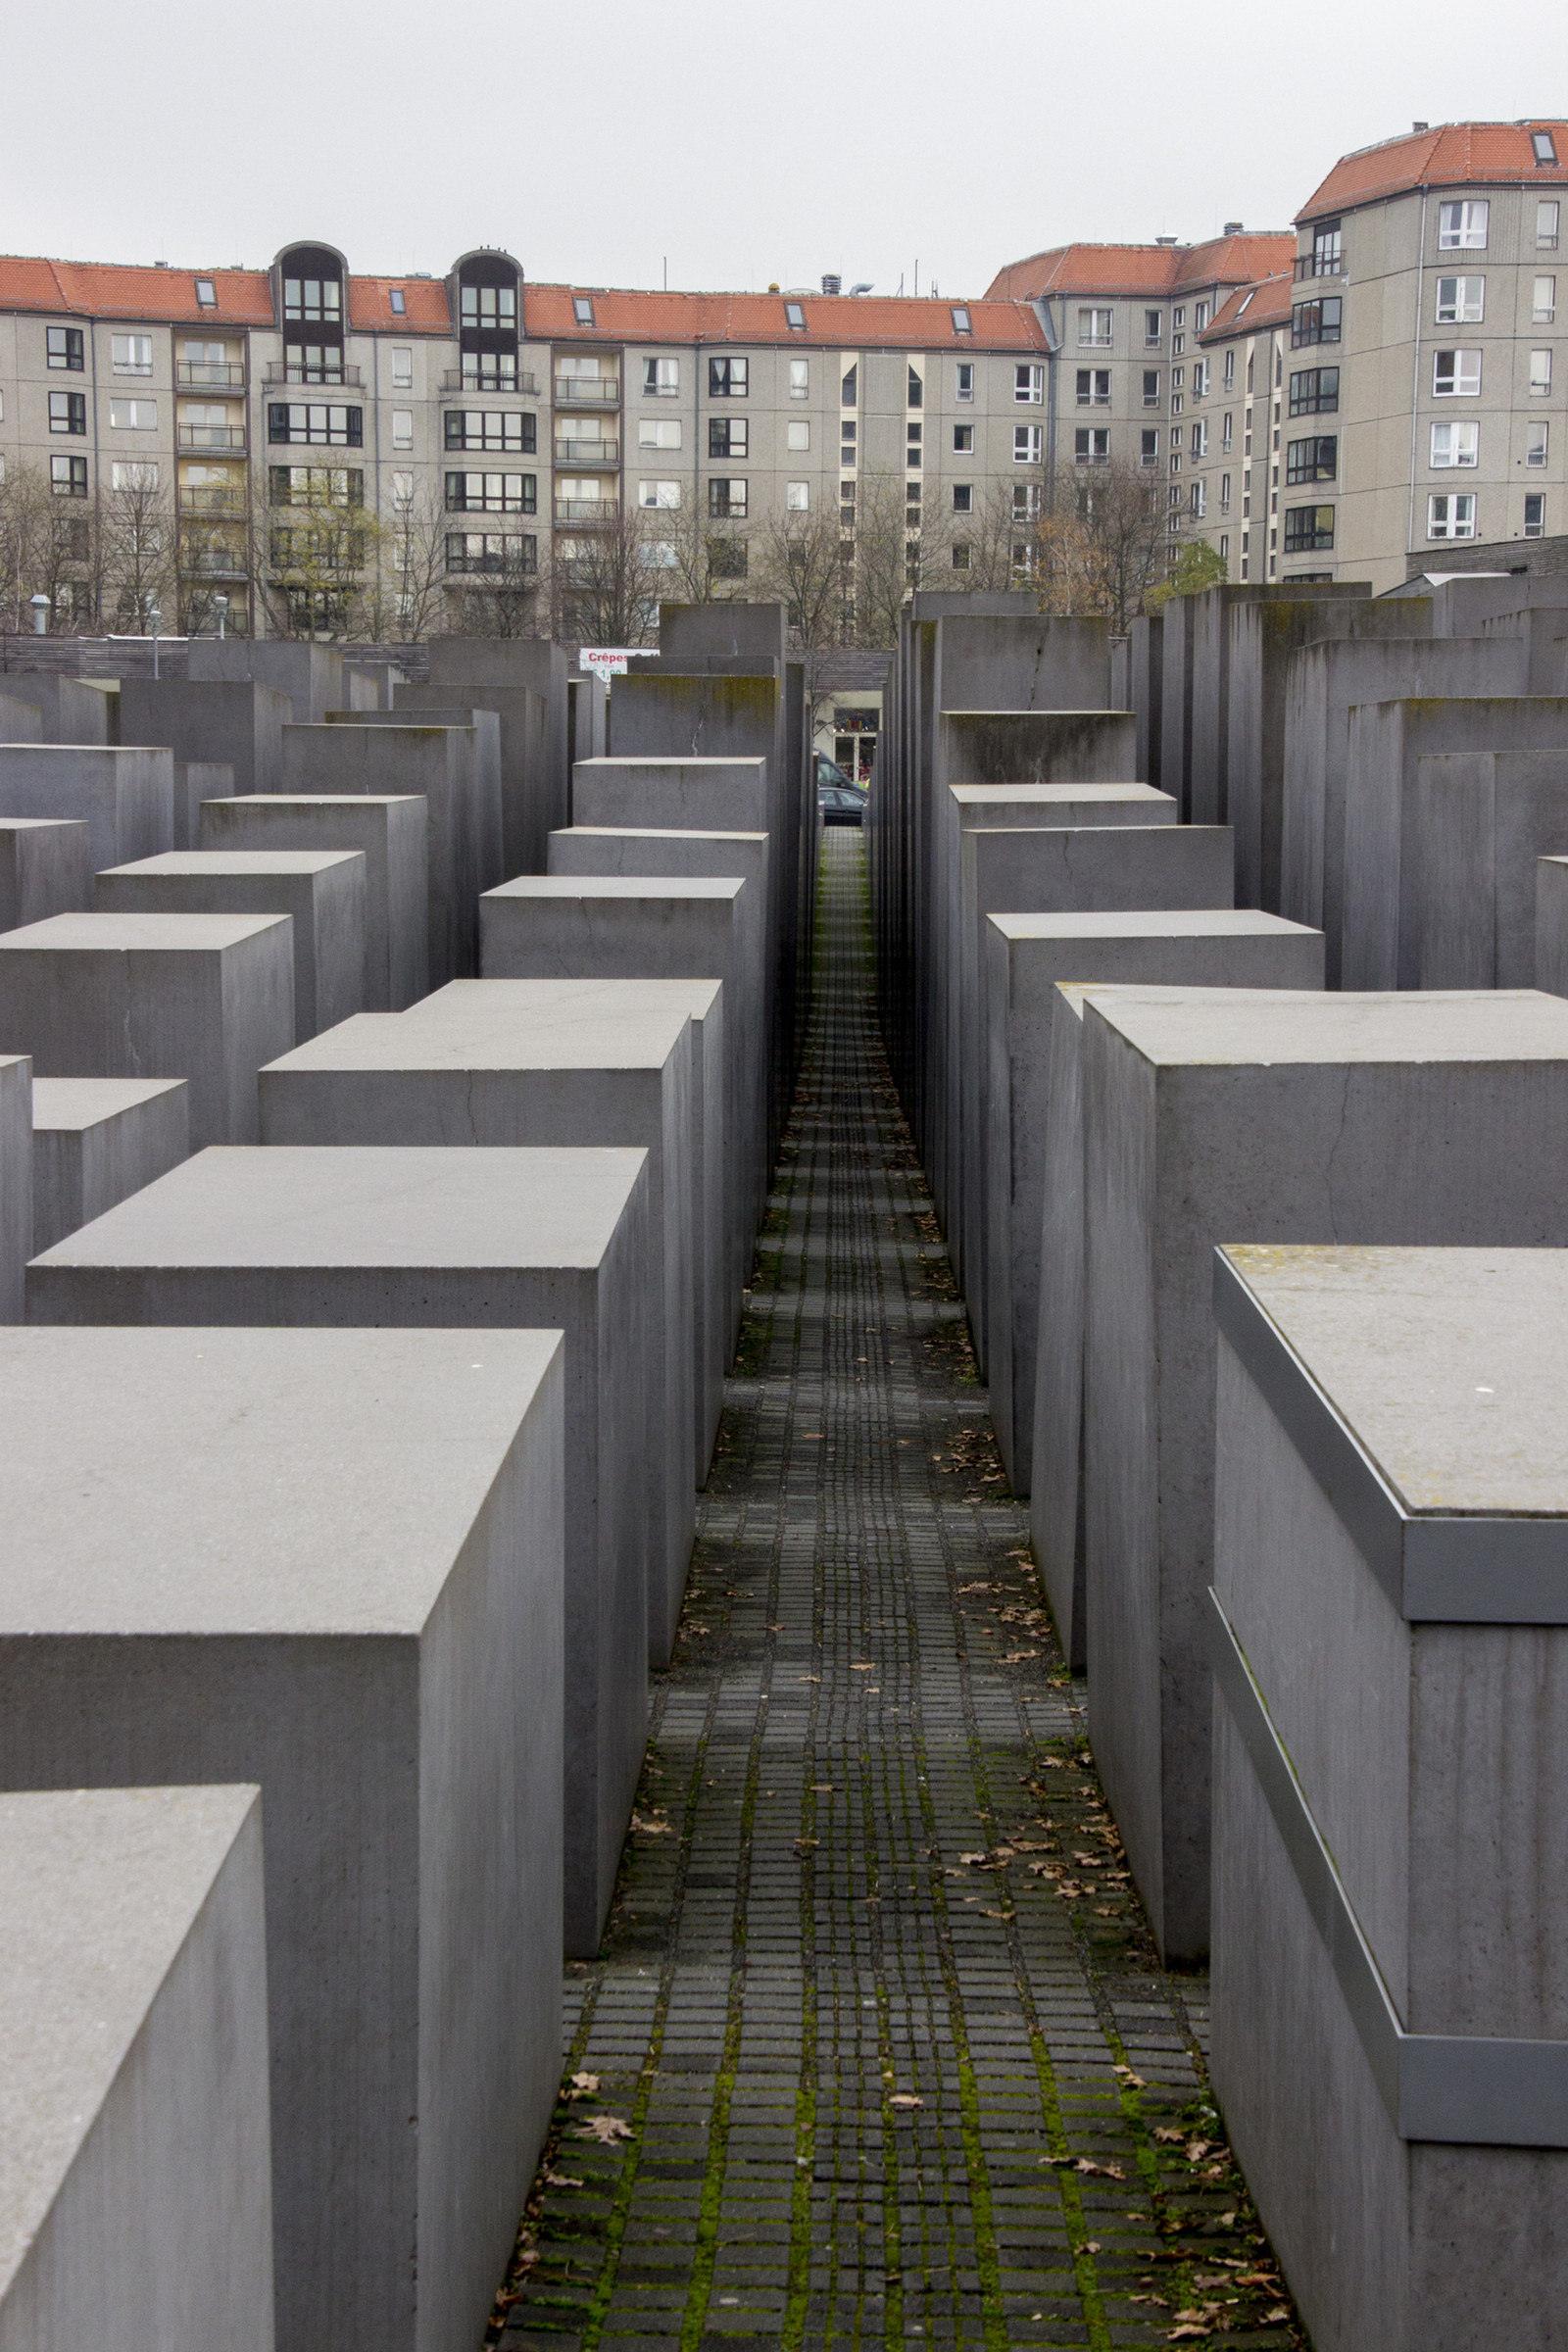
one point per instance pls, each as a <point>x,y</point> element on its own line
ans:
<point>583,309</point>
<point>1543,146</point>
<point>960,322</point>
<point>207,294</point>
<point>399,306</point>
<point>794,317</point>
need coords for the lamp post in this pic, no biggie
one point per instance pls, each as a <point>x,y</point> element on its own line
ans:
<point>154,617</point>
<point>39,606</point>
<point>221,607</point>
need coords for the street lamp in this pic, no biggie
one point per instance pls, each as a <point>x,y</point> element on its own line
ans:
<point>41,614</point>
<point>154,617</point>
<point>221,607</point>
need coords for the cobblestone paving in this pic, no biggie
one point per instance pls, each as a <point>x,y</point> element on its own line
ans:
<point>877,2050</point>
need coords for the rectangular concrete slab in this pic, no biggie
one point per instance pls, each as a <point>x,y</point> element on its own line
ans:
<point>135,2159</point>
<point>328,1562</point>
<point>16,1180</point>
<point>309,676</point>
<point>1551,924</point>
<point>552,1063</point>
<point>681,795</point>
<point>68,710</point>
<point>207,997</point>
<point>1036,747</point>
<point>1380,1408</point>
<point>95,1141</point>
<point>237,721</point>
<point>125,797</point>
<point>1234,1115</point>
<point>46,868</point>
<point>440,764</point>
<point>1482,821</point>
<point>195,781</point>
<point>19,721</point>
<point>485,726</point>
<point>323,891</point>
<point>390,834</point>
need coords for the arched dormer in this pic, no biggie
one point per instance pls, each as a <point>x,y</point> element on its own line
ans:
<point>486,295</point>
<point>310,298</point>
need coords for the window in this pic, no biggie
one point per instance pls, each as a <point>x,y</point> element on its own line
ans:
<point>1091,444</point>
<point>1456,445</point>
<point>726,436</point>
<point>402,492</point>
<point>1200,380</point>
<point>800,379</point>
<point>583,309</point>
<point>659,432</point>
<point>1543,147</point>
<point>1224,493</point>
<point>399,305</point>
<point>1315,392</point>
<point>727,379</point>
<point>1547,214</point>
<point>1094,328</point>
<point>492,552</point>
<point>68,477</point>
<point>1461,301</point>
<point>1230,372</point>
<point>794,317</point>
<point>1151,387</point>
<point>491,429</point>
<point>130,355</point>
<point>1316,460</point>
<point>315,421</point>
<point>1149,454</point>
<point>1093,387</point>
<point>133,415</point>
<point>1451,514</point>
<point>847,392</point>
<point>1537,432</point>
<point>206,294</point>
<point>313,298</point>
<point>1198,501</point>
<point>1227,434</point>
<point>129,473</point>
<point>1250,372</point>
<point>915,455</point>
<point>1025,500</point>
<point>916,392</point>
<point>727,558</point>
<point>1539,371</point>
<point>1029,383</point>
<point>402,367</point>
<point>963,498</point>
<point>315,485</point>
<point>1535,514</point>
<point>490,371</point>
<point>1544,303</point>
<point>1307,527</point>
<point>1455,374</point>
<point>1178,343</point>
<point>403,428</point>
<point>490,493</point>
<point>797,498</point>
<point>1462,225</point>
<point>962,440</point>
<point>963,380</point>
<point>1224,544</point>
<point>960,322</point>
<point>1316,321</point>
<point>660,378</point>
<point>662,496</point>
<point>960,555</point>
<point>68,412</point>
<point>65,348</point>
<point>726,498</point>
<point>495,308</point>
<point>797,434</point>
<point>1326,249</point>
<point>1026,444</point>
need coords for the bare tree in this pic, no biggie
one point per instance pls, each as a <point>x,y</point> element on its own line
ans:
<point>607,581</point>
<point>136,548</point>
<point>49,546</point>
<point>407,599</point>
<point>709,555</point>
<point>317,551</point>
<point>26,516</point>
<point>803,560</point>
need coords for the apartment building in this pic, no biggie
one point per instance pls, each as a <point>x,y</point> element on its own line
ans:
<point>1405,392</point>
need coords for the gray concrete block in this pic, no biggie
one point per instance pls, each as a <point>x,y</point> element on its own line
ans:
<point>675,795</point>
<point>328,1562</point>
<point>79,710</point>
<point>1025,661</point>
<point>369,685</point>
<point>1382,871</point>
<point>1026,956</point>
<point>437,762</point>
<point>1274,1118</point>
<point>1145,691</point>
<point>1084,869</point>
<point>1239,633</point>
<point>95,1141</point>
<point>463,1239</point>
<point>1323,684</point>
<point>486,730</point>
<point>323,891</point>
<point>195,781</point>
<point>1480,821</point>
<point>309,676</point>
<point>235,722</point>
<point>133,2090</point>
<point>16,1181</point>
<point>207,997</point>
<point>568,1064</point>
<point>1542,630</point>
<point>1551,924</point>
<point>1036,747</point>
<point>390,833</point>
<point>46,868</point>
<point>1377,1407</point>
<point>523,680</point>
<point>1462,602</point>
<point>126,798</point>
<point>19,721</point>
<point>1176,702</point>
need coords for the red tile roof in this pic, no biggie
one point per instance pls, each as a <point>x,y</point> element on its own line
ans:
<point>426,309</point>
<point>115,290</point>
<point>1153,270</point>
<point>1453,155</point>
<point>841,321</point>
<point>1266,303</point>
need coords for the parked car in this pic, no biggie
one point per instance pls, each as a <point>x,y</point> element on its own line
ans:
<point>840,801</point>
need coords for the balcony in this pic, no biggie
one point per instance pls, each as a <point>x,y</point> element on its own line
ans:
<point>588,391</point>
<point>211,436</point>
<point>588,453</point>
<point>297,371</point>
<point>211,501</point>
<point>213,563</point>
<point>221,375</point>
<point>460,379</point>
<point>587,509</point>
<point>1317,265</point>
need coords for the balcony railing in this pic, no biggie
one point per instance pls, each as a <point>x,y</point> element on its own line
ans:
<point>224,375</point>
<point>461,380</point>
<point>1318,264</point>
<point>301,372</point>
<point>588,391</point>
<point>212,436</point>
<point>213,563</point>
<point>586,510</point>
<point>588,453</point>
<point>211,501</point>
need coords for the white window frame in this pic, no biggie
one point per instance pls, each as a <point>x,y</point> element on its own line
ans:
<point>1451,514</point>
<point>1463,378</point>
<point>1462,225</point>
<point>798,433</point>
<point>1456,442</point>
<point>137,351</point>
<point>1543,305</point>
<point>963,380</point>
<point>1548,216</point>
<point>402,493</point>
<point>1026,444</point>
<point>1198,503</point>
<point>1461,301</point>
<point>1537,440</point>
<point>1028,383</point>
<point>1541,374</point>
<point>1096,327</point>
<point>403,428</point>
<point>800,379</point>
<point>660,378</point>
<point>403,366</point>
<point>962,440</point>
<point>1537,529</point>
<point>661,497</point>
<point>660,433</point>
<point>134,415</point>
<point>133,474</point>
<point>963,498</point>
<point>797,498</point>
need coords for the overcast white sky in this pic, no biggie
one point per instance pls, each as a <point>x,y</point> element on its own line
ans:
<point>737,144</point>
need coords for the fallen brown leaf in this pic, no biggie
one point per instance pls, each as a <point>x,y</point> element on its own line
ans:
<point>906,2098</point>
<point>563,2181</point>
<point>604,2127</point>
<point>1279,2312</point>
<point>1102,2171</point>
<point>582,2086</point>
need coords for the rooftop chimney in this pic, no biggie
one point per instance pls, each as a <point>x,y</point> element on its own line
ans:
<point>1420,126</point>
<point>1233,229</point>
<point>832,284</point>
<point>1165,240</point>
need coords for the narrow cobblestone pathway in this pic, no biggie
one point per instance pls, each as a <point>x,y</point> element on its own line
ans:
<point>877,2050</point>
